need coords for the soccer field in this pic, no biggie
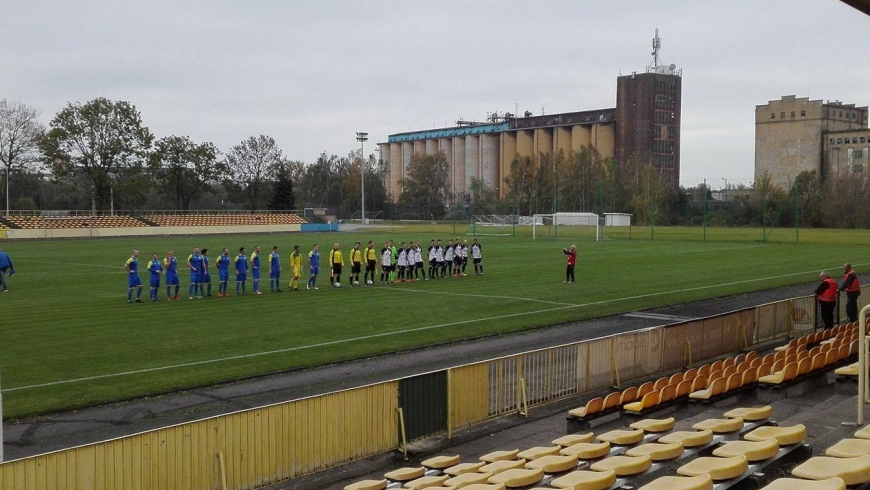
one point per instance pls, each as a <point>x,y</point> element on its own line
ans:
<point>68,338</point>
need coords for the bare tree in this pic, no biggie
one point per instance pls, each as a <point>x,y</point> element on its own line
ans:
<point>251,166</point>
<point>20,135</point>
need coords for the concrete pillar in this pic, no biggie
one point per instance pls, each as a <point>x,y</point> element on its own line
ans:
<point>431,147</point>
<point>489,161</point>
<point>445,146</point>
<point>525,144</point>
<point>508,152</point>
<point>543,141</point>
<point>396,159</point>
<point>472,161</point>
<point>420,147</point>
<point>562,140</point>
<point>459,164</point>
<point>407,153</point>
<point>605,140</point>
<point>580,136</point>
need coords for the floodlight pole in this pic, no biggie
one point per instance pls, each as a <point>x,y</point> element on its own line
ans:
<point>362,137</point>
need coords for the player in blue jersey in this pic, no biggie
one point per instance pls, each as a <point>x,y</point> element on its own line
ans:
<point>241,271</point>
<point>133,279</point>
<point>274,271</point>
<point>171,265</point>
<point>204,275</point>
<point>313,267</point>
<point>223,266</point>
<point>155,268</point>
<point>255,269</point>
<point>194,263</point>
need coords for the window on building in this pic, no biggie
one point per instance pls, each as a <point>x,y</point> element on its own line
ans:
<point>773,115</point>
<point>792,114</point>
<point>839,141</point>
<point>841,113</point>
<point>832,141</point>
<point>859,154</point>
<point>855,141</point>
<point>863,139</point>
<point>803,113</point>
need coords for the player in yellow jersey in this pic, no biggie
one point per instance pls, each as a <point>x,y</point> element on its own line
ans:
<point>371,263</point>
<point>355,264</point>
<point>336,262</point>
<point>296,265</point>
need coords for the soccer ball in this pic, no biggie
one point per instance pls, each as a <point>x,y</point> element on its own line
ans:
<point>338,284</point>
<point>370,282</point>
<point>356,283</point>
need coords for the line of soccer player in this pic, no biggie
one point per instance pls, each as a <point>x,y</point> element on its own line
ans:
<point>397,264</point>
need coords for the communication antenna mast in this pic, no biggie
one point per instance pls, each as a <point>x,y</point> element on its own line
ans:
<point>656,46</point>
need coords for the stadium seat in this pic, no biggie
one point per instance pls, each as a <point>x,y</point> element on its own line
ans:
<point>649,400</point>
<point>571,439</point>
<point>787,373</point>
<point>863,433</point>
<point>405,474</point>
<point>611,401</point>
<point>654,425</point>
<point>628,395</point>
<point>594,405</point>
<point>683,388</point>
<point>751,413</point>
<point>467,479</point>
<point>500,456</point>
<point>849,448</point>
<point>689,438</point>
<point>462,468</point>
<point>367,485</point>
<point>621,437</point>
<point>426,482</point>
<point>676,379</point>
<point>850,370</point>
<point>441,462</point>
<point>700,482</point>
<point>753,450</point>
<point>785,436</point>
<point>853,471</point>
<point>538,452</point>
<point>661,383</point>
<point>657,451</point>
<point>720,426</point>
<point>799,484</point>
<point>717,387</point>
<point>585,480</point>
<point>717,468</point>
<point>587,450</point>
<point>518,477</point>
<point>504,465</point>
<point>554,463</point>
<point>623,465</point>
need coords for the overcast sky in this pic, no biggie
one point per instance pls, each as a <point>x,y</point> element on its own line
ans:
<point>312,73</point>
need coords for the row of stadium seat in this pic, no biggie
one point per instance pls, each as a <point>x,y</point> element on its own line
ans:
<point>66,222</point>
<point>226,219</point>
<point>39,223</point>
<point>639,455</point>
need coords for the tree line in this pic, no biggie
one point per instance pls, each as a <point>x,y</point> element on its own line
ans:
<point>100,154</point>
<point>97,154</point>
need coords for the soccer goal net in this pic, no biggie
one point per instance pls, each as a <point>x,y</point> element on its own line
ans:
<point>492,225</point>
<point>579,226</point>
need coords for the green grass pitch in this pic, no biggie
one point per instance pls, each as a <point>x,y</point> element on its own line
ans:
<point>68,338</point>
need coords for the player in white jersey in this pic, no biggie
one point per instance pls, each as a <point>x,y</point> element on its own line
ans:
<point>402,262</point>
<point>447,268</point>
<point>386,263</point>
<point>418,262</point>
<point>439,260</point>
<point>477,257</point>
<point>432,263</point>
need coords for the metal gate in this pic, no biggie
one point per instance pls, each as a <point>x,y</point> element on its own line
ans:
<point>424,404</point>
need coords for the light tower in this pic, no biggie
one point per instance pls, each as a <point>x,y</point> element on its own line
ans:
<point>362,137</point>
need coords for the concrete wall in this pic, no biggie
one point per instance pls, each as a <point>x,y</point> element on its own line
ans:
<point>395,170</point>
<point>459,165</point>
<point>605,139</point>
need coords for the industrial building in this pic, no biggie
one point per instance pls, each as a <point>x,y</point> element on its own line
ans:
<point>644,124</point>
<point>795,134</point>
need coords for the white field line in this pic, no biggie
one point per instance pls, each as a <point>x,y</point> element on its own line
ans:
<point>398,332</point>
<point>120,268</point>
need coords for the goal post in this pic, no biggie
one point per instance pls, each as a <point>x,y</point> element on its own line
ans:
<point>580,226</point>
